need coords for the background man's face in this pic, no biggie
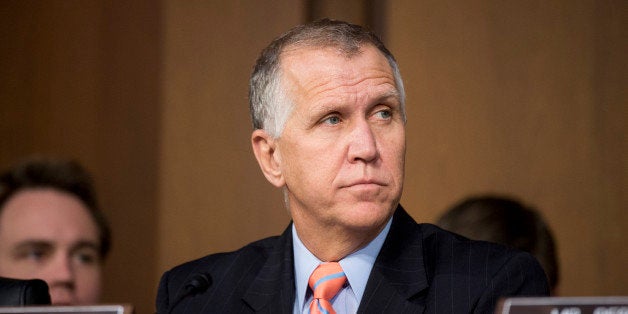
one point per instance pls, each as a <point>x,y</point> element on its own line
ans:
<point>342,149</point>
<point>49,235</point>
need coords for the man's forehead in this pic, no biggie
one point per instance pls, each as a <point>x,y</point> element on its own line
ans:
<point>48,215</point>
<point>341,50</point>
<point>301,63</point>
<point>312,68</point>
<point>299,50</point>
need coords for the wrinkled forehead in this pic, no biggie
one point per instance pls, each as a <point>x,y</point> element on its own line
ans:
<point>340,49</point>
<point>297,58</point>
<point>306,67</point>
<point>347,48</point>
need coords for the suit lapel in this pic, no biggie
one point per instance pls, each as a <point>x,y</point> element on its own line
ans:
<point>398,277</point>
<point>272,291</point>
<point>397,283</point>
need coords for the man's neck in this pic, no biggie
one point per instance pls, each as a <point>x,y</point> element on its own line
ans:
<point>333,243</point>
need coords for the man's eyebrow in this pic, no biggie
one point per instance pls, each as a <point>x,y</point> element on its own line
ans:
<point>27,244</point>
<point>47,245</point>
<point>393,93</point>
<point>330,105</point>
<point>83,244</point>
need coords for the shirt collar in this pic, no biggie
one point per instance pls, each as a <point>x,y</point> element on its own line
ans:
<point>357,266</point>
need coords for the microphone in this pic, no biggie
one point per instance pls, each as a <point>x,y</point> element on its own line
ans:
<point>197,284</point>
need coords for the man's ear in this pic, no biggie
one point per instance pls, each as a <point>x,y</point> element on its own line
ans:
<point>269,160</point>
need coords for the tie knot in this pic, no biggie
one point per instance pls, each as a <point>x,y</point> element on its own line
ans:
<point>326,280</point>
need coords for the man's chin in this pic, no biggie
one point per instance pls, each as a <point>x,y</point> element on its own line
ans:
<point>368,216</point>
<point>62,302</point>
<point>61,298</point>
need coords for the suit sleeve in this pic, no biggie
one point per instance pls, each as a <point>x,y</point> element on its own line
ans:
<point>163,295</point>
<point>521,275</point>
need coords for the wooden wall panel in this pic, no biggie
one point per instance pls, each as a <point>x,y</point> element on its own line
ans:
<point>128,138</point>
<point>527,98</point>
<point>523,98</point>
<point>213,196</point>
<point>49,78</point>
<point>79,79</point>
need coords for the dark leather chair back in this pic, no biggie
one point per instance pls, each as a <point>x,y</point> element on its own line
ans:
<point>19,292</point>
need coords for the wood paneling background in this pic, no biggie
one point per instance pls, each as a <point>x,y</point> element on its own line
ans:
<point>526,98</point>
<point>519,97</point>
<point>81,79</point>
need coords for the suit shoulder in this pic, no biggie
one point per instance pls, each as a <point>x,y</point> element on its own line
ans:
<point>221,269</point>
<point>224,262</point>
<point>441,244</point>
<point>481,263</point>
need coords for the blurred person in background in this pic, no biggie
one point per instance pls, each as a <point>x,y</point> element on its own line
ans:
<point>505,220</point>
<point>52,229</point>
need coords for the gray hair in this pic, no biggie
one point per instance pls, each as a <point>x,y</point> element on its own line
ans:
<point>269,103</point>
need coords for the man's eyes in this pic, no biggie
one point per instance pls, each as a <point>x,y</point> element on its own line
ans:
<point>335,118</point>
<point>332,120</point>
<point>33,254</point>
<point>384,114</point>
<point>39,255</point>
<point>86,256</point>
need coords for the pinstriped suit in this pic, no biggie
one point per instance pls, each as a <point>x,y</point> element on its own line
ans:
<point>420,269</point>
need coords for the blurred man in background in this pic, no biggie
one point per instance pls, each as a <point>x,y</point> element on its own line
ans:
<point>52,229</point>
<point>505,220</point>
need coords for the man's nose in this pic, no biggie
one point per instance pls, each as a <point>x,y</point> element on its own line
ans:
<point>362,143</point>
<point>62,270</point>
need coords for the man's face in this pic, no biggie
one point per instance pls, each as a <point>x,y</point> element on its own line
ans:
<point>342,150</point>
<point>49,235</point>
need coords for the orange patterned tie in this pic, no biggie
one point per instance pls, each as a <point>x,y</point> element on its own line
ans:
<point>325,281</point>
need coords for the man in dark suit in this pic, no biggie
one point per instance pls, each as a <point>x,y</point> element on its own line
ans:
<point>328,109</point>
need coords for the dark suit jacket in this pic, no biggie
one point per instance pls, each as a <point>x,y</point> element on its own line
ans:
<point>420,269</point>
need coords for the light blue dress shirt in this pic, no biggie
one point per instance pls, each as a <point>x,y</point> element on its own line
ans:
<point>357,267</point>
